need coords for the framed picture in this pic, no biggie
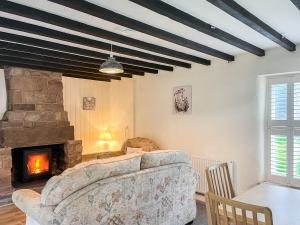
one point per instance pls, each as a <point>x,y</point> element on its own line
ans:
<point>89,103</point>
<point>182,100</point>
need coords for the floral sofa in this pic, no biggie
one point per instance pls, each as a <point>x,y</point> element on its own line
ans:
<point>155,188</point>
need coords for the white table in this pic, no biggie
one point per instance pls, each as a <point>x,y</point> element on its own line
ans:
<point>283,201</point>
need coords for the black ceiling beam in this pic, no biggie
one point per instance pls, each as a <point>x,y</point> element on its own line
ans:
<point>85,77</point>
<point>102,13</point>
<point>78,51</point>
<point>56,56</point>
<point>173,13</point>
<point>46,32</point>
<point>296,3</point>
<point>60,67</point>
<point>11,63</point>
<point>48,60</point>
<point>80,75</point>
<point>42,58</point>
<point>28,12</point>
<point>21,58</point>
<point>243,15</point>
<point>66,58</point>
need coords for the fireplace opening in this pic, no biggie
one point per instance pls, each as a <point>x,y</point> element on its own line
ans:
<point>36,164</point>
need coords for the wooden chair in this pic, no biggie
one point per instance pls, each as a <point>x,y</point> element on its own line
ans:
<point>219,180</point>
<point>146,144</point>
<point>223,211</point>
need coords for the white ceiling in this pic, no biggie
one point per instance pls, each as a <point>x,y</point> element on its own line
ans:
<point>281,15</point>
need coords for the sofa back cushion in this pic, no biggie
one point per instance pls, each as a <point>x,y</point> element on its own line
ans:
<point>164,157</point>
<point>60,187</point>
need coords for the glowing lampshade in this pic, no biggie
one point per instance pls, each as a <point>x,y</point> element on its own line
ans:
<point>105,137</point>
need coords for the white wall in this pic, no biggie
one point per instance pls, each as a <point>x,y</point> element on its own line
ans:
<point>225,123</point>
<point>3,96</point>
<point>114,110</point>
<point>87,123</point>
<point>121,111</point>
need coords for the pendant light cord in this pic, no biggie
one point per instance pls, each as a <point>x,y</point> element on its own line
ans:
<point>111,50</point>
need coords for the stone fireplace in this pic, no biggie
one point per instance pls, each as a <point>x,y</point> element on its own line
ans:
<point>35,127</point>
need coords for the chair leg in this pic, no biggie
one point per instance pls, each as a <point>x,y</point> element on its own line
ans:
<point>190,223</point>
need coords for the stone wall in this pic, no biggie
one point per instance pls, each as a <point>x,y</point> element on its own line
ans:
<point>35,98</point>
<point>72,153</point>
<point>5,175</point>
<point>35,113</point>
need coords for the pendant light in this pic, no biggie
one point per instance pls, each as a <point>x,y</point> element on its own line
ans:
<point>111,66</point>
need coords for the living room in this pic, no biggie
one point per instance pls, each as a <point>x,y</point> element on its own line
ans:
<point>151,112</point>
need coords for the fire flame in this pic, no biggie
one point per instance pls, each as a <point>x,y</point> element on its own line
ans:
<point>37,166</point>
<point>38,163</point>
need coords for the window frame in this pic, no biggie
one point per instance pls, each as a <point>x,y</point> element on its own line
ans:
<point>288,127</point>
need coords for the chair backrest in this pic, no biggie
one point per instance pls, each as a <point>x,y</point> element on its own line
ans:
<point>219,180</point>
<point>223,211</point>
<point>146,144</point>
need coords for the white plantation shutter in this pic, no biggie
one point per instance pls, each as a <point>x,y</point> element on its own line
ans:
<point>279,101</point>
<point>296,157</point>
<point>279,155</point>
<point>296,103</point>
<point>283,130</point>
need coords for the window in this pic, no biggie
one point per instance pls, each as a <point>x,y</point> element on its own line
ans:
<point>283,130</point>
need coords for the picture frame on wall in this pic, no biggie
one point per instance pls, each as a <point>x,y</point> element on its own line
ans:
<point>89,103</point>
<point>182,99</point>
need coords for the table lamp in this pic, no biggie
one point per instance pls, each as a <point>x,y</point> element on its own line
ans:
<point>105,138</point>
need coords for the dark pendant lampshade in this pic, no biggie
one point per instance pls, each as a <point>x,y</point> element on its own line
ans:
<point>111,66</point>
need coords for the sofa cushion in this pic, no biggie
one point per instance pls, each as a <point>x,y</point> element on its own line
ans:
<point>164,157</point>
<point>80,176</point>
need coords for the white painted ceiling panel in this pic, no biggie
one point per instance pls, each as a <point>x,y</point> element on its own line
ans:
<point>209,13</point>
<point>281,15</point>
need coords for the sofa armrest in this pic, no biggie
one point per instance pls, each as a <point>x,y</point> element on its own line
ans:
<point>29,202</point>
<point>26,200</point>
